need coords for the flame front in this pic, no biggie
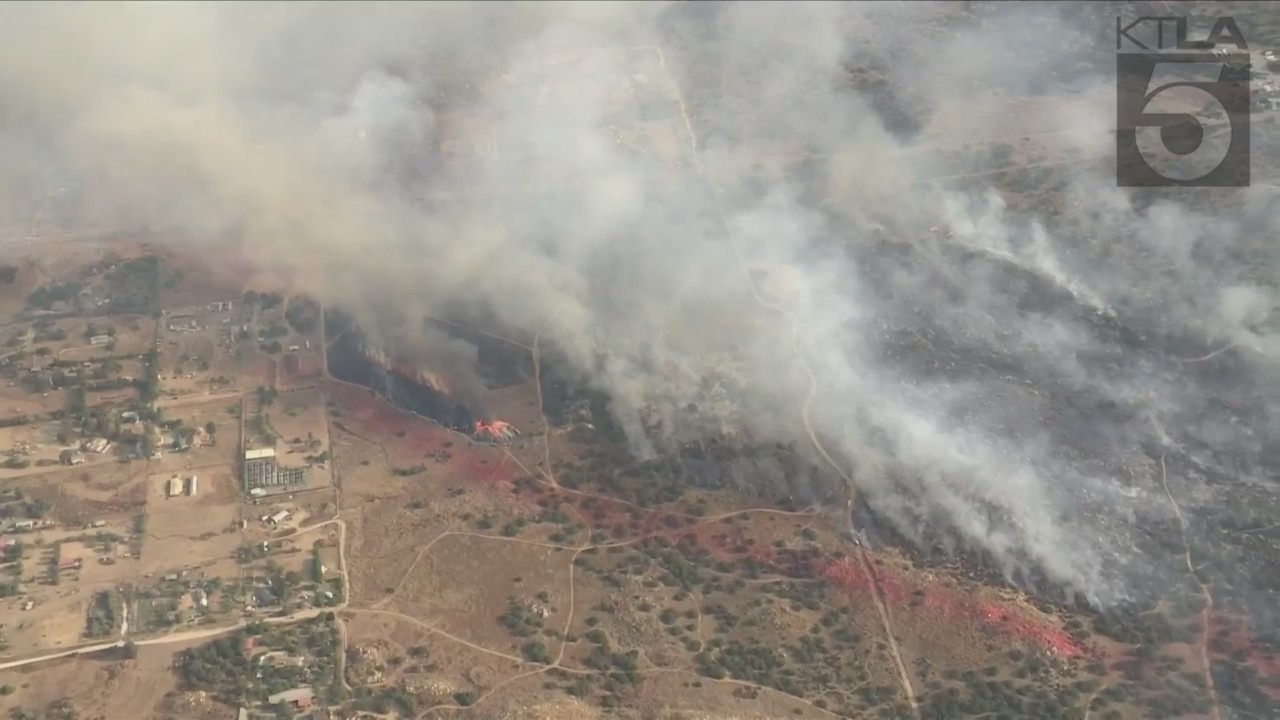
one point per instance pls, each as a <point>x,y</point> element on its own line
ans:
<point>406,370</point>
<point>495,431</point>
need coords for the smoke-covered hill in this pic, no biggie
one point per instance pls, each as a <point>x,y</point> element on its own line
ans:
<point>1009,379</point>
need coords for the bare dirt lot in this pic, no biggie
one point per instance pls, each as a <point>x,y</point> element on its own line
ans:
<point>513,571</point>
<point>300,421</point>
<point>253,369</point>
<point>56,620</point>
<point>187,531</point>
<point>104,563</point>
<point>80,495</point>
<point>303,367</point>
<point>15,401</point>
<point>112,689</point>
<point>131,336</point>
<point>38,443</point>
<point>295,552</point>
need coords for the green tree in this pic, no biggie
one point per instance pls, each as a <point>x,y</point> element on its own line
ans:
<point>535,652</point>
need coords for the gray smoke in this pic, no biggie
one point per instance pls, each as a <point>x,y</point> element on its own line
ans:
<point>975,366</point>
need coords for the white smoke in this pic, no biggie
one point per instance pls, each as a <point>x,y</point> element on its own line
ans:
<point>950,371</point>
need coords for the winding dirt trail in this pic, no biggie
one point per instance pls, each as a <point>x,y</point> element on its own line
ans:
<point>882,608</point>
<point>1207,611</point>
<point>557,662</point>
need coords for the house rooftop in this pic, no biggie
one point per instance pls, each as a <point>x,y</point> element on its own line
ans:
<point>297,695</point>
<point>259,454</point>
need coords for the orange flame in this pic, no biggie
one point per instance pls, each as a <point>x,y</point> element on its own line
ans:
<point>495,431</point>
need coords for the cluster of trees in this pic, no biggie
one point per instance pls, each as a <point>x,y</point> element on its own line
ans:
<point>616,672</point>
<point>249,552</point>
<point>102,616</point>
<point>387,701</point>
<point>220,666</point>
<point>8,274</point>
<point>1134,625</point>
<point>47,331</point>
<point>225,669</point>
<point>316,566</point>
<point>536,652</point>
<point>274,331</point>
<point>98,379</point>
<point>14,552</point>
<point>149,391</point>
<point>519,621</point>
<point>302,313</point>
<point>91,331</point>
<point>59,710</point>
<point>266,395</point>
<point>45,296</point>
<point>14,421</point>
<point>754,663</point>
<point>134,285</point>
<point>264,301</point>
<point>21,507</point>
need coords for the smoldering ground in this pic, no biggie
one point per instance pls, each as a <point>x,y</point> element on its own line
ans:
<point>996,379</point>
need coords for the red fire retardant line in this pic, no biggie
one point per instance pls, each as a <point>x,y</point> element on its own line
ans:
<point>850,576</point>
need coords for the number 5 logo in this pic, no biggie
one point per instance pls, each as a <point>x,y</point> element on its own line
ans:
<point>1182,119</point>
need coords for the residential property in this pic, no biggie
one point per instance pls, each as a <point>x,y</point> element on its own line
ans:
<point>279,517</point>
<point>279,658</point>
<point>174,487</point>
<point>98,445</point>
<point>300,697</point>
<point>71,457</point>
<point>191,486</point>
<point>99,339</point>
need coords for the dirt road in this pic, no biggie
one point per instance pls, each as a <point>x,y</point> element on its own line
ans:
<point>203,633</point>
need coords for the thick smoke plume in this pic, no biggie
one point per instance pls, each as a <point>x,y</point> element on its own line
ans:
<point>988,375</point>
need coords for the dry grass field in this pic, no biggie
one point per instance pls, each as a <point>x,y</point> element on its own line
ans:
<point>115,689</point>
<point>185,531</point>
<point>56,620</point>
<point>78,496</point>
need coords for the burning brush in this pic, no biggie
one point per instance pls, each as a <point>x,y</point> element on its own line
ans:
<point>496,432</point>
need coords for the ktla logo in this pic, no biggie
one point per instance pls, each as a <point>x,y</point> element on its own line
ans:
<point>1182,117</point>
